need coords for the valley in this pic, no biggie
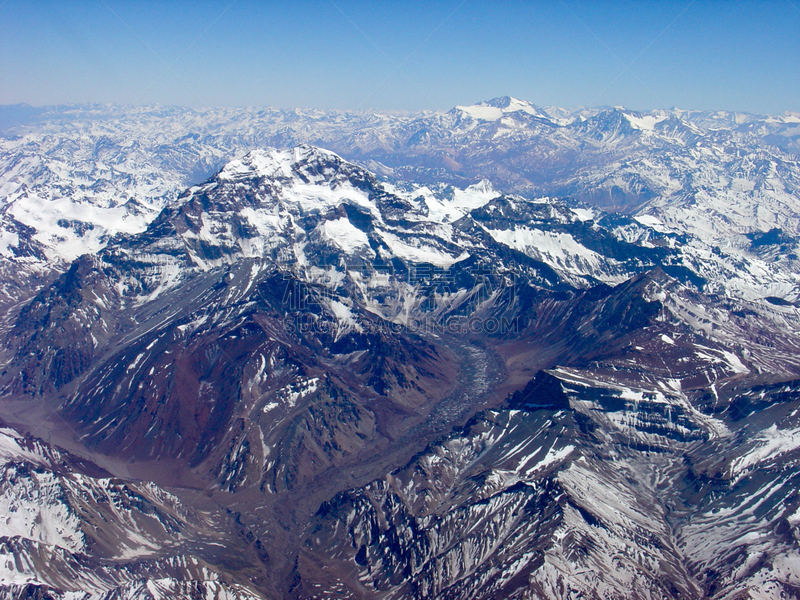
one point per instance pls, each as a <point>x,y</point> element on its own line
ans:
<point>559,359</point>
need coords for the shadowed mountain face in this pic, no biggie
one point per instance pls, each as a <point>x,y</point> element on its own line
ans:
<point>335,386</point>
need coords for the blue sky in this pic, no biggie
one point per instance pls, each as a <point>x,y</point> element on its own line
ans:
<point>403,55</point>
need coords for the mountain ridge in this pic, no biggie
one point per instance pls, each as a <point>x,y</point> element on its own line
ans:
<point>426,390</point>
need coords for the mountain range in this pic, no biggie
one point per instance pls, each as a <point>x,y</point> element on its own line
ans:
<point>499,352</point>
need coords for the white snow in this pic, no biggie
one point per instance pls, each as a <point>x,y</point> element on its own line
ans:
<point>483,112</point>
<point>461,203</point>
<point>44,215</point>
<point>345,235</point>
<point>645,122</point>
<point>300,388</point>
<point>8,239</point>
<point>785,118</point>
<point>12,450</point>
<point>560,250</point>
<point>552,457</point>
<point>771,443</point>
<point>583,214</point>
<point>649,220</point>
<point>734,362</point>
<point>344,316</point>
<point>421,253</point>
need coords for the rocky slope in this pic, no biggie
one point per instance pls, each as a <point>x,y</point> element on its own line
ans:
<point>70,529</point>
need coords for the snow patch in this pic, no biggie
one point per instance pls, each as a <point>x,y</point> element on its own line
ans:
<point>772,442</point>
<point>482,112</point>
<point>345,235</point>
<point>645,122</point>
<point>421,253</point>
<point>649,220</point>
<point>583,214</point>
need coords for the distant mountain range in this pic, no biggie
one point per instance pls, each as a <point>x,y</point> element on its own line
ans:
<point>499,352</point>
<point>72,177</point>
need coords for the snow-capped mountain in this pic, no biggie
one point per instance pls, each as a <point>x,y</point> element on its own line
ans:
<point>294,319</point>
<point>279,235</point>
<point>458,379</point>
<point>73,177</point>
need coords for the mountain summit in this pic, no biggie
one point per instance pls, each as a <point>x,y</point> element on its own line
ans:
<point>492,110</point>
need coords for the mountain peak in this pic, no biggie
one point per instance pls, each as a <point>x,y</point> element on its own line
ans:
<point>484,186</point>
<point>492,110</point>
<point>280,164</point>
<point>501,102</point>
